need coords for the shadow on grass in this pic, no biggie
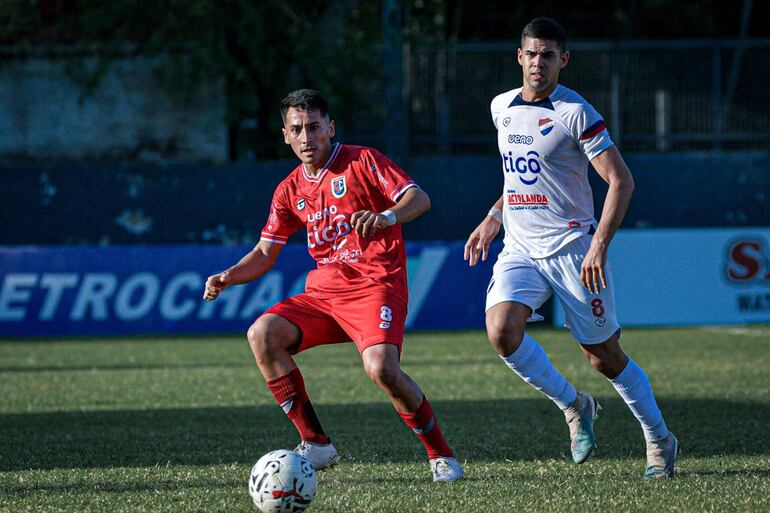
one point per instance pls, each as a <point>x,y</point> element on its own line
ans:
<point>153,484</point>
<point>128,366</point>
<point>479,431</point>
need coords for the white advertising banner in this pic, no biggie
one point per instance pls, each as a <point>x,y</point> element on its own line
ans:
<point>690,277</point>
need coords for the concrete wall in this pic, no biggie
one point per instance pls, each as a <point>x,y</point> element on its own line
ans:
<point>195,203</point>
<point>44,114</point>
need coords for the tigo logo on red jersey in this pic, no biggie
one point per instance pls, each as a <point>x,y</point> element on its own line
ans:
<point>545,125</point>
<point>339,188</point>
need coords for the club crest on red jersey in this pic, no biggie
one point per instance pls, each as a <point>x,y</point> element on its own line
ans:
<point>300,203</point>
<point>545,125</point>
<point>339,188</point>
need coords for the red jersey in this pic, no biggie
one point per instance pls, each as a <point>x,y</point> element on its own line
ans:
<point>354,178</point>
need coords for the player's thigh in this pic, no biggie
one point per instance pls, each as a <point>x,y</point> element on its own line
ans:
<point>517,279</point>
<point>591,318</point>
<point>311,316</point>
<point>376,317</point>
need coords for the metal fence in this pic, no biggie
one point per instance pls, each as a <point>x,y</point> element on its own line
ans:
<point>655,95</point>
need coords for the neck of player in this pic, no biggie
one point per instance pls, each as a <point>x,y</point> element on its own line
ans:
<point>530,95</point>
<point>313,168</point>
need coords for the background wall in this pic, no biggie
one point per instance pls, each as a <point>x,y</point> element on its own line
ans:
<point>46,114</point>
<point>193,203</point>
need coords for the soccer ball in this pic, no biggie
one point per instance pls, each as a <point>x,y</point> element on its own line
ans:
<point>282,482</point>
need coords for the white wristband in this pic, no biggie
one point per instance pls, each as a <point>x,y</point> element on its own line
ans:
<point>496,214</point>
<point>390,216</point>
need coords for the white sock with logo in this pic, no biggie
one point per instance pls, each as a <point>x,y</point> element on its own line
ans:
<point>532,365</point>
<point>634,387</point>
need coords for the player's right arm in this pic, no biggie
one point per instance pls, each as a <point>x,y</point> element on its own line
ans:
<point>253,265</point>
<point>481,238</point>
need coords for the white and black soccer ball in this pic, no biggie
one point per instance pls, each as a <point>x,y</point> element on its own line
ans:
<point>282,481</point>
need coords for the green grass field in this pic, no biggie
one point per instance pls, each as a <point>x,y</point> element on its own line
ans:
<point>174,424</point>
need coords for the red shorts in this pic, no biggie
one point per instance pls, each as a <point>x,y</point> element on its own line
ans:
<point>377,318</point>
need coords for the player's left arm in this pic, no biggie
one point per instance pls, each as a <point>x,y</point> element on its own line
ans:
<point>412,204</point>
<point>613,169</point>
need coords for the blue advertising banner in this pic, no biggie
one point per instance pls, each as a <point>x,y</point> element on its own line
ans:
<point>55,291</point>
<point>670,277</point>
<point>662,277</point>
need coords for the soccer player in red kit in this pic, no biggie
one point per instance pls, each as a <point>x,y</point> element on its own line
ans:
<point>351,200</point>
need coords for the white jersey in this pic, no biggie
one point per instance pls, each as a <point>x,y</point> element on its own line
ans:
<point>546,147</point>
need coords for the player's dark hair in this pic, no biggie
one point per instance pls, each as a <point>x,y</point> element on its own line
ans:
<point>306,100</point>
<point>546,28</point>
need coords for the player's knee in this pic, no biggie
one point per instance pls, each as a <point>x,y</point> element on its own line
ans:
<point>258,338</point>
<point>382,373</point>
<point>608,364</point>
<point>265,339</point>
<point>597,362</point>
<point>504,337</point>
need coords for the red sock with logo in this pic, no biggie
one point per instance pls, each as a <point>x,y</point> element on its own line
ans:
<point>289,393</point>
<point>426,427</point>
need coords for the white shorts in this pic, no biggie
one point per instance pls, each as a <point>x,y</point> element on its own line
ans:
<point>591,318</point>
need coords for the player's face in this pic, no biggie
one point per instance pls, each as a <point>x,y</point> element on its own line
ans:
<point>309,134</point>
<point>541,61</point>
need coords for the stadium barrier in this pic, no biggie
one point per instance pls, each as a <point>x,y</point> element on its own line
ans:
<point>50,291</point>
<point>662,277</point>
<point>672,277</point>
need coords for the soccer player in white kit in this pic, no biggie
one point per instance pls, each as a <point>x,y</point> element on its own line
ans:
<point>547,135</point>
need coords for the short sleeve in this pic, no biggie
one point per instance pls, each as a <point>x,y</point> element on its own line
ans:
<point>590,132</point>
<point>282,221</point>
<point>391,179</point>
<point>500,103</point>
<point>496,107</point>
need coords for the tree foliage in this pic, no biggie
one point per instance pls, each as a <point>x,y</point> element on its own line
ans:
<point>262,49</point>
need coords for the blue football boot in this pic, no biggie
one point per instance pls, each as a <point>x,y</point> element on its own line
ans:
<point>661,457</point>
<point>580,417</point>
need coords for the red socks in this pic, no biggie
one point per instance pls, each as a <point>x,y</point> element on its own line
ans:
<point>425,426</point>
<point>289,392</point>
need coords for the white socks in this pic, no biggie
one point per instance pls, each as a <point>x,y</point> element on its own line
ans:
<point>532,365</point>
<point>634,387</point>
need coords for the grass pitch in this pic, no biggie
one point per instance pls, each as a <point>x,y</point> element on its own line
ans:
<point>174,424</point>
